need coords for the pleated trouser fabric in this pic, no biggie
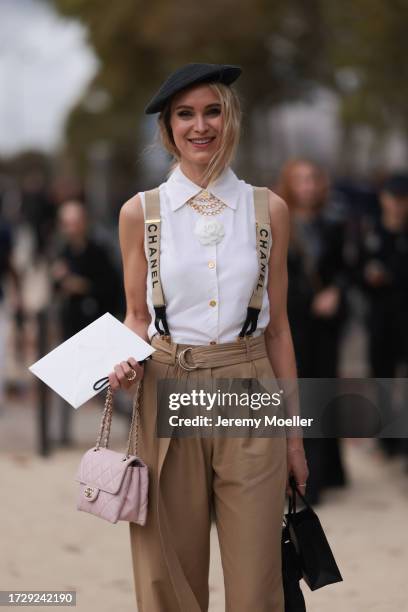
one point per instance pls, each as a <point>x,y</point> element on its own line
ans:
<point>242,479</point>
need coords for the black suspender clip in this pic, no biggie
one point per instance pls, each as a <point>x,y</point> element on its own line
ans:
<point>161,318</point>
<point>251,321</point>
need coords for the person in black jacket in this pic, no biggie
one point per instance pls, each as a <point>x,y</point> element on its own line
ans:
<point>383,274</point>
<point>316,299</point>
<point>84,274</point>
<point>85,279</point>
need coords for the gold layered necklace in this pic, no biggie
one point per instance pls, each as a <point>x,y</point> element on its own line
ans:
<point>206,203</point>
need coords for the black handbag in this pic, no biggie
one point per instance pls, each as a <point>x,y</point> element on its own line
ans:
<point>291,574</point>
<point>317,562</point>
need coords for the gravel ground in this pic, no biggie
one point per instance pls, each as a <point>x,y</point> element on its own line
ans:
<point>47,544</point>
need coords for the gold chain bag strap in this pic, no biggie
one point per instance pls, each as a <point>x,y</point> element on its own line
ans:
<point>112,485</point>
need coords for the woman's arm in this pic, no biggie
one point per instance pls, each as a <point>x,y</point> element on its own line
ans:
<point>278,337</point>
<point>131,238</point>
<point>277,334</point>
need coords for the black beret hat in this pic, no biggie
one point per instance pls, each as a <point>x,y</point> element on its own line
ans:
<point>191,74</point>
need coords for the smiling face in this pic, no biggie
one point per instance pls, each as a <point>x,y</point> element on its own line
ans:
<point>196,122</point>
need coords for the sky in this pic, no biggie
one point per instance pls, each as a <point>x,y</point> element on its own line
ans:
<point>45,66</point>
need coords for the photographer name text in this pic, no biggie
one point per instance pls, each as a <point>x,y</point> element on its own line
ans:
<point>266,421</point>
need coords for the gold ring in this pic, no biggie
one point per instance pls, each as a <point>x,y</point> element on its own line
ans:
<point>131,375</point>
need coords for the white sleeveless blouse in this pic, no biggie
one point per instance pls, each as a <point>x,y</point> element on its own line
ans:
<point>207,289</point>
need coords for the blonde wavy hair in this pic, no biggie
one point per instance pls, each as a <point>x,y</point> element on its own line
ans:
<point>231,112</point>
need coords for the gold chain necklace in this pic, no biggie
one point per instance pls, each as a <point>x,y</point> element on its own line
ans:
<point>206,203</point>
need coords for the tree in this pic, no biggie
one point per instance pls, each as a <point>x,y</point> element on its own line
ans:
<point>139,43</point>
<point>288,47</point>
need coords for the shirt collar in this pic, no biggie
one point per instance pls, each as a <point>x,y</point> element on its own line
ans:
<point>180,188</point>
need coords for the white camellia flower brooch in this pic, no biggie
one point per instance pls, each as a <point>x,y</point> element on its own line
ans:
<point>209,231</point>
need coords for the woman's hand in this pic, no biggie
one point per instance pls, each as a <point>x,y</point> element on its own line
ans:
<point>118,378</point>
<point>297,465</point>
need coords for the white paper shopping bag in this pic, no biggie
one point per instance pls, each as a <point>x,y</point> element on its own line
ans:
<point>73,367</point>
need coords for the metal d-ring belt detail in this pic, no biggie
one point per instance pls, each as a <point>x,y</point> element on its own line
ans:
<point>182,360</point>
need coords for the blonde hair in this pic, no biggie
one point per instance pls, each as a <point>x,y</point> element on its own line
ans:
<point>231,112</point>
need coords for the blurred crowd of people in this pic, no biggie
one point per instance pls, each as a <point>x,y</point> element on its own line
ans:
<point>346,238</point>
<point>79,275</point>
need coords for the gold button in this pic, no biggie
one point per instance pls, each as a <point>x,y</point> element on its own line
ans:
<point>213,342</point>
<point>213,303</point>
<point>211,264</point>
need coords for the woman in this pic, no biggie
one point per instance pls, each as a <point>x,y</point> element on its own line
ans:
<point>316,299</point>
<point>208,274</point>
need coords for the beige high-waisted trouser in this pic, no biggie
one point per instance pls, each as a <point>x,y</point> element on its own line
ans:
<point>242,479</point>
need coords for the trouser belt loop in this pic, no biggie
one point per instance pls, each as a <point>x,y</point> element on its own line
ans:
<point>165,345</point>
<point>174,352</point>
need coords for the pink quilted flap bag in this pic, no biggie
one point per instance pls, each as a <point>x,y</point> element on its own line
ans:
<point>113,485</point>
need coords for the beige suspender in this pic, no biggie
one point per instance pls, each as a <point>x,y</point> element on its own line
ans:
<point>152,237</point>
<point>152,225</point>
<point>263,235</point>
<point>263,244</point>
